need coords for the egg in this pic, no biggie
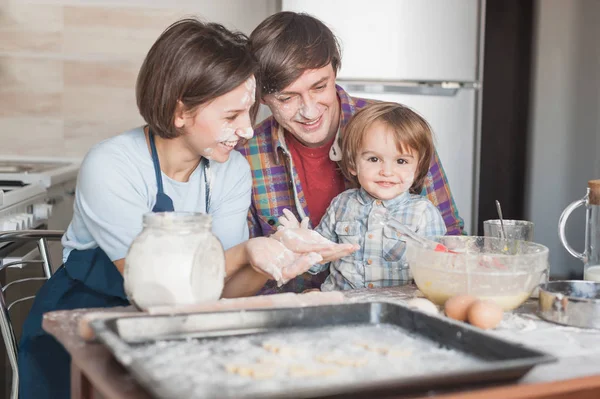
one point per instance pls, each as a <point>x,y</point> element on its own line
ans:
<point>485,314</point>
<point>422,305</point>
<point>457,307</point>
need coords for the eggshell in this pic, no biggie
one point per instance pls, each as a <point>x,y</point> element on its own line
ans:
<point>457,307</point>
<point>423,305</point>
<point>484,314</point>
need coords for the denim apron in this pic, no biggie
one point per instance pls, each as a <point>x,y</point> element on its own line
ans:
<point>89,279</point>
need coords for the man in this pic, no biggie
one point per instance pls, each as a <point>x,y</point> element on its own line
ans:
<point>295,152</point>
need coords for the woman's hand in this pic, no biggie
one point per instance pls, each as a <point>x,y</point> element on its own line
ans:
<point>270,257</point>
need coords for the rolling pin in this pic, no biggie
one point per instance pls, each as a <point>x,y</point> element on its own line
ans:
<point>286,300</point>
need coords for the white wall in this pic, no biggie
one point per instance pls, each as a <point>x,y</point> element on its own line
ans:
<point>564,149</point>
<point>68,67</point>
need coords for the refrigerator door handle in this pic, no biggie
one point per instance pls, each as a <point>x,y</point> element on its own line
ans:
<point>447,89</point>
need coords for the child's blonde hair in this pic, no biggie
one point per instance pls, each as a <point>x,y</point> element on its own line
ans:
<point>410,130</point>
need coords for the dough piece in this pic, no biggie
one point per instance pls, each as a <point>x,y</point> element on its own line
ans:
<point>279,349</point>
<point>362,344</point>
<point>423,305</point>
<point>232,368</point>
<point>261,372</point>
<point>352,362</point>
<point>303,371</point>
<point>256,371</point>
<point>344,361</point>
<point>268,360</point>
<point>399,352</point>
<point>373,347</point>
<point>327,358</point>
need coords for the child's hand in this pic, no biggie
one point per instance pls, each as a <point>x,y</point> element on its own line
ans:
<point>305,240</point>
<point>337,252</point>
<point>289,221</point>
<point>271,257</point>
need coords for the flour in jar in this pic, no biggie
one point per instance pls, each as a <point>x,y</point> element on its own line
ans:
<point>175,260</point>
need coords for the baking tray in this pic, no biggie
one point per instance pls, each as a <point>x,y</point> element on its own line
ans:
<point>192,355</point>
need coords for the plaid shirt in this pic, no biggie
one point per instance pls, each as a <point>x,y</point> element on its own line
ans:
<point>355,217</point>
<point>276,185</point>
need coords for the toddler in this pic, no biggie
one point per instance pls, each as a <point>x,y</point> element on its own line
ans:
<point>387,149</point>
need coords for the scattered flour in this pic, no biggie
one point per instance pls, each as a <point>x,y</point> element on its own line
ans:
<point>251,366</point>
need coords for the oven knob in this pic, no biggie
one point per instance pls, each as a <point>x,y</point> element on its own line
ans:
<point>42,211</point>
<point>27,220</point>
<point>18,223</point>
<point>30,219</point>
<point>22,220</point>
<point>8,225</point>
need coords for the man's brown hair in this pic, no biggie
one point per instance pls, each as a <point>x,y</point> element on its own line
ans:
<point>286,44</point>
<point>192,62</point>
<point>409,128</point>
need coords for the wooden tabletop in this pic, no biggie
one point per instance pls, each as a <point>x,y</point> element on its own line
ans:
<point>576,374</point>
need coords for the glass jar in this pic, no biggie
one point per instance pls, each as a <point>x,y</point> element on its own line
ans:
<point>591,248</point>
<point>175,260</point>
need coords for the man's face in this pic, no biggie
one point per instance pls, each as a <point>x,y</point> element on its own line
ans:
<point>309,107</point>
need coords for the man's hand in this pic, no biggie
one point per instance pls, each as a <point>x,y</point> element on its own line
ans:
<point>269,256</point>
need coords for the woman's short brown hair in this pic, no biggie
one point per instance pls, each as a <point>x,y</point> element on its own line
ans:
<point>192,62</point>
<point>409,128</point>
<point>286,44</point>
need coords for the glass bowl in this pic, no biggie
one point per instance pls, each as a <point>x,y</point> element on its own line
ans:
<point>489,268</point>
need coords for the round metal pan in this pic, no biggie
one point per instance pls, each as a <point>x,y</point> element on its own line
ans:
<point>571,302</point>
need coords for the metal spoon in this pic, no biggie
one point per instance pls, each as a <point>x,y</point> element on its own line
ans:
<point>502,231</point>
<point>424,242</point>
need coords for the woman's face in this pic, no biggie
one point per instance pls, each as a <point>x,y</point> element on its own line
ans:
<point>214,129</point>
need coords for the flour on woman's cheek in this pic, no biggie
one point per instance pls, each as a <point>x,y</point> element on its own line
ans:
<point>227,133</point>
<point>230,133</point>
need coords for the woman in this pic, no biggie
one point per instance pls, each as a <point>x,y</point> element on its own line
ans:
<point>194,90</point>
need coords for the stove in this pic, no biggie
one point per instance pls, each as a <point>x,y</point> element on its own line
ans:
<point>23,208</point>
<point>36,192</point>
<point>44,171</point>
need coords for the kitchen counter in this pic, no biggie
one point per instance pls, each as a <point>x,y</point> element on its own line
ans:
<point>96,374</point>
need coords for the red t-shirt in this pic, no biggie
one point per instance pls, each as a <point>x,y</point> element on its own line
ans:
<point>320,177</point>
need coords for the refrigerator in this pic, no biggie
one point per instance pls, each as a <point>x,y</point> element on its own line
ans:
<point>427,55</point>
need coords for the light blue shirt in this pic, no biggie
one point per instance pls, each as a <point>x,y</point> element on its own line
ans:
<point>355,217</point>
<point>116,186</point>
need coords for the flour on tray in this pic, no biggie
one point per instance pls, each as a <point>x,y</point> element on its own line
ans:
<point>264,364</point>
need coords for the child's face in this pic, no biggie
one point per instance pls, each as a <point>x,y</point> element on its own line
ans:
<point>382,169</point>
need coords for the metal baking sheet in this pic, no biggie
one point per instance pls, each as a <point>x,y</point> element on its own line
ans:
<point>309,352</point>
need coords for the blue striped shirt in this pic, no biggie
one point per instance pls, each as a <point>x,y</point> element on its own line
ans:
<point>356,217</point>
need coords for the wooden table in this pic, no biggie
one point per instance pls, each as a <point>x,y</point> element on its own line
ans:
<point>96,374</point>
